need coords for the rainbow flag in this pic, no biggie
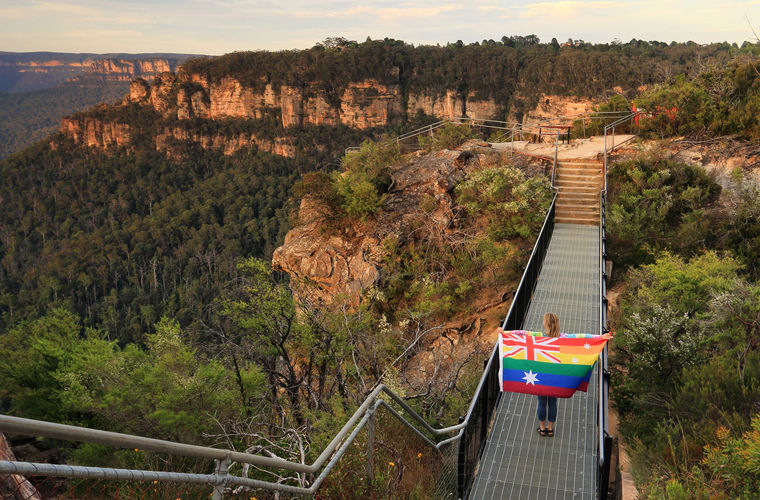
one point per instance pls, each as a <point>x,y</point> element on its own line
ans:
<point>547,366</point>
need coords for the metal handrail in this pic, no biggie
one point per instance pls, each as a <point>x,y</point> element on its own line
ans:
<point>496,124</point>
<point>611,126</point>
<point>17,425</point>
<point>603,400</point>
<point>603,382</point>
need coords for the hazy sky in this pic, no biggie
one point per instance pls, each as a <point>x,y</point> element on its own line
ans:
<point>221,26</point>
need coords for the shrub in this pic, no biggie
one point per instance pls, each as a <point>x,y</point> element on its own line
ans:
<point>358,189</point>
<point>513,204</point>
<point>656,204</point>
<point>449,136</point>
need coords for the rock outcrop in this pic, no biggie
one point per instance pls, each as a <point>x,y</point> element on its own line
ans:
<point>553,106</point>
<point>127,70</point>
<point>227,144</point>
<point>347,262</point>
<point>14,486</point>
<point>92,132</point>
<point>362,104</point>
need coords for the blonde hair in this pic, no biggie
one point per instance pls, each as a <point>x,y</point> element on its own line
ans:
<point>551,325</point>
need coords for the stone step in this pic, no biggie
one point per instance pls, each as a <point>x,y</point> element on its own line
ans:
<point>580,161</point>
<point>572,184</point>
<point>572,187</point>
<point>592,172</point>
<point>574,204</point>
<point>581,166</point>
<point>562,180</point>
<point>576,215</point>
<point>583,212</point>
<point>576,220</point>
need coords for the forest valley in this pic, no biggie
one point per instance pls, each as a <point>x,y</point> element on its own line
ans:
<point>137,292</point>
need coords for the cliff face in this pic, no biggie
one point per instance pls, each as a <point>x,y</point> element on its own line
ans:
<point>364,104</point>
<point>23,72</point>
<point>343,265</point>
<point>92,132</point>
<point>227,144</point>
<point>551,106</point>
<point>127,70</point>
<point>182,96</point>
<point>347,262</point>
<point>360,105</point>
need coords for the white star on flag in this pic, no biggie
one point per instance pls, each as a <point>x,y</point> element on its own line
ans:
<point>575,360</point>
<point>530,377</point>
<point>587,346</point>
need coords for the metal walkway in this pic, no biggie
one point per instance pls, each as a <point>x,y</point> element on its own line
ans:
<point>517,462</point>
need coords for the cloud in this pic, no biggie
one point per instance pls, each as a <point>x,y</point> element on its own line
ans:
<point>69,9</point>
<point>567,8</point>
<point>95,33</point>
<point>402,13</point>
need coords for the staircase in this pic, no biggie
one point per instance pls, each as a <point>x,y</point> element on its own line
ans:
<point>579,183</point>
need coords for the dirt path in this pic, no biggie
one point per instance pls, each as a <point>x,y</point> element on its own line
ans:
<point>576,149</point>
<point>630,492</point>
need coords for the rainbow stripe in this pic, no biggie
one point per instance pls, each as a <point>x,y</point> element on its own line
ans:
<point>546,366</point>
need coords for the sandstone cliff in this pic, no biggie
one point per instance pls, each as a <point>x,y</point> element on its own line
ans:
<point>349,261</point>
<point>553,106</point>
<point>181,96</point>
<point>361,105</point>
<point>92,132</point>
<point>127,70</point>
<point>364,104</point>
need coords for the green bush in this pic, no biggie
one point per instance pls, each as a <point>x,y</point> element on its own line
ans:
<point>719,100</point>
<point>358,189</point>
<point>656,204</point>
<point>514,206</point>
<point>449,136</point>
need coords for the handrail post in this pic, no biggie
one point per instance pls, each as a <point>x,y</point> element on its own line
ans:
<point>461,466</point>
<point>613,137</point>
<point>221,472</point>
<point>605,158</point>
<point>371,444</point>
<point>556,149</point>
<point>485,414</point>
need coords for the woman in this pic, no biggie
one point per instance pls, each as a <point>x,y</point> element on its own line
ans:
<point>547,405</point>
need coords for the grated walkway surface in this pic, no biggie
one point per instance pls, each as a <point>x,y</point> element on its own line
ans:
<point>516,461</point>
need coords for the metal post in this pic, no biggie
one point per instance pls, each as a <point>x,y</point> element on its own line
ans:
<point>461,466</point>
<point>613,137</point>
<point>605,158</point>
<point>485,416</point>
<point>556,149</point>
<point>222,468</point>
<point>371,444</point>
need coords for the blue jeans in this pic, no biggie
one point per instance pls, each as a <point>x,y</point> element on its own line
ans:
<point>543,403</point>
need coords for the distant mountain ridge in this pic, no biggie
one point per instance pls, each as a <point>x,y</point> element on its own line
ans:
<point>28,71</point>
<point>37,89</point>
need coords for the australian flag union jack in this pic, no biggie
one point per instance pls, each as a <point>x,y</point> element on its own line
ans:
<point>517,345</point>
